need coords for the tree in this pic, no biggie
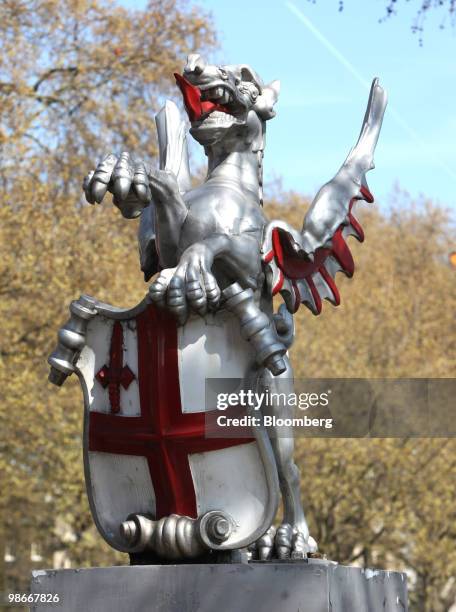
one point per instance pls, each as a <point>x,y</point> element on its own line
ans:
<point>424,7</point>
<point>378,502</point>
<point>369,501</point>
<point>448,7</point>
<point>77,78</point>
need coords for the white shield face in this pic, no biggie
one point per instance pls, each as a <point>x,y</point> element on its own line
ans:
<point>145,447</point>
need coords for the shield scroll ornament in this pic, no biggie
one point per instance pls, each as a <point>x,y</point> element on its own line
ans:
<point>145,448</point>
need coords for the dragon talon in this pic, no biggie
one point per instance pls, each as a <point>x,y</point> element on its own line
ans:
<point>141,182</point>
<point>283,541</point>
<point>99,190</point>
<point>197,300</point>
<point>86,186</point>
<point>122,187</point>
<point>89,197</point>
<point>141,191</point>
<point>265,544</point>
<point>299,546</point>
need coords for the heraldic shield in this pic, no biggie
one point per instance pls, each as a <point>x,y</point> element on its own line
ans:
<point>155,480</point>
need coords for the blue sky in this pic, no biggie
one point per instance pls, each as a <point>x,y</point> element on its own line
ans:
<point>325,60</point>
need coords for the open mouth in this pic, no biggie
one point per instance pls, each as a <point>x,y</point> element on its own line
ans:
<point>199,104</point>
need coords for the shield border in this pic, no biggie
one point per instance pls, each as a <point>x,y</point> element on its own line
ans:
<point>261,438</point>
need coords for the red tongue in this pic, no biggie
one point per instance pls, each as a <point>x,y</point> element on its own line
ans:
<point>195,107</point>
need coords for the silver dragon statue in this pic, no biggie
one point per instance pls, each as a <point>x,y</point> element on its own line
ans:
<point>218,263</point>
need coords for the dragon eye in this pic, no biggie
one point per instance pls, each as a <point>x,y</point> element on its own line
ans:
<point>223,74</point>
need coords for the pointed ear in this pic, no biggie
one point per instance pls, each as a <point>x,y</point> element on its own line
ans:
<point>265,102</point>
<point>275,86</point>
<point>248,74</point>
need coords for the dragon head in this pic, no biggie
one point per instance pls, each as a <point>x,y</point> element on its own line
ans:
<point>226,104</point>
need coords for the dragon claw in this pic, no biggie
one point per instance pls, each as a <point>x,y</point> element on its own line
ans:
<point>265,544</point>
<point>287,542</point>
<point>122,186</point>
<point>283,541</point>
<point>125,178</point>
<point>213,292</point>
<point>299,547</point>
<point>141,192</point>
<point>188,287</point>
<point>86,186</point>
<point>176,299</point>
<point>196,297</point>
<point>99,190</point>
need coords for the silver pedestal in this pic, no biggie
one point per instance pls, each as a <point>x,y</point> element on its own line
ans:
<point>317,586</point>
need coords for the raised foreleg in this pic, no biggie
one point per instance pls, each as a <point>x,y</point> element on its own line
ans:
<point>192,285</point>
<point>136,187</point>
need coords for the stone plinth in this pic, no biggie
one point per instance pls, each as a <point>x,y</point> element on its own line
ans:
<point>314,586</point>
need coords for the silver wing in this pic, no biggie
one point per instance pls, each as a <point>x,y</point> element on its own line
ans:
<point>302,265</point>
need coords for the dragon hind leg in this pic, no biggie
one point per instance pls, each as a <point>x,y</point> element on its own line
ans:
<point>292,537</point>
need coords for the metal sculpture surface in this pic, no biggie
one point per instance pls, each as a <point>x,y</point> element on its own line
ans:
<point>155,481</point>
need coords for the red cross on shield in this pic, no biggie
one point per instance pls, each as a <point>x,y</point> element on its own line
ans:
<point>149,453</point>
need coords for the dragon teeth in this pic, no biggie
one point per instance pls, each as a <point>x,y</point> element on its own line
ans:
<point>217,94</point>
<point>219,117</point>
<point>225,98</point>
